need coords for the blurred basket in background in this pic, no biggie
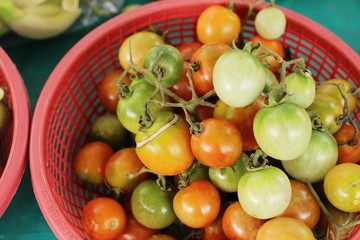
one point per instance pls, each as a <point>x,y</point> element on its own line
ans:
<point>15,137</point>
<point>69,102</point>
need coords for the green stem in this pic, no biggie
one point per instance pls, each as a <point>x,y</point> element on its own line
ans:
<point>254,164</point>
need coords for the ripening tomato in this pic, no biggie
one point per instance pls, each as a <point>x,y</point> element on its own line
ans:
<point>164,147</point>
<point>347,152</point>
<point>187,49</point>
<point>270,22</point>
<point>243,118</point>
<point>274,45</point>
<point>135,230</point>
<point>218,144</point>
<point>109,90</point>
<point>303,205</point>
<point>283,131</point>
<point>182,87</point>
<point>218,24</point>
<point>342,187</point>
<point>284,228</point>
<point>239,225</point>
<point>141,43</point>
<point>215,229</point>
<point>345,87</point>
<point>204,59</point>
<point>122,170</point>
<point>90,162</point>
<point>103,218</point>
<point>198,204</point>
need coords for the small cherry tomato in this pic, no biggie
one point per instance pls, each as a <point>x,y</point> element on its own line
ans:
<point>342,187</point>
<point>198,204</point>
<point>187,49</point>
<point>347,152</point>
<point>303,205</point>
<point>284,228</point>
<point>237,224</point>
<point>108,89</point>
<point>182,87</point>
<point>103,218</point>
<point>218,24</point>
<point>274,45</point>
<point>218,144</point>
<point>90,162</point>
<point>215,229</point>
<point>270,22</point>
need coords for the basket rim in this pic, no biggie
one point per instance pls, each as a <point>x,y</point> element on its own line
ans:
<point>16,163</point>
<point>43,191</point>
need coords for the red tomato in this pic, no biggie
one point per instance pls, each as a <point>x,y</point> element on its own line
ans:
<point>243,119</point>
<point>205,57</point>
<point>347,153</point>
<point>215,229</point>
<point>91,160</point>
<point>108,89</point>
<point>135,230</point>
<point>274,45</point>
<point>197,205</point>
<point>187,49</point>
<point>237,224</point>
<point>103,218</point>
<point>219,144</point>
<point>182,87</point>
<point>303,205</point>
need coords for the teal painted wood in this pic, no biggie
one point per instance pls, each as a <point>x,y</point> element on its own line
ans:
<point>36,59</point>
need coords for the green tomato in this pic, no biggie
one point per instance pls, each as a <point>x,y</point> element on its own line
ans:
<point>167,60</point>
<point>227,179</point>
<point>264,193</point>
<point>151,206</point>
<point>238,77</point>
<point>283,131</point>
<point>270,22</point>
<point>300,89</point>
<point>319,157</point>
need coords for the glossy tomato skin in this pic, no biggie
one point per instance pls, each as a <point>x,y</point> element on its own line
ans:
<point>284,228</point>
<point>218,24</point>
<point>169,153</point>
<point>135,230</point>
<point>319,157</point>
<point>90,162</point>
<point>182,87</point>
<point>152,206</point>
<point>215,229</point>
<point>227,179</point>
<point>283,131</point>
<point>218,145</point>
<point>264,193</point>
<point>347,153</point>
<point>130,108</point>
<point>243,118</point>
<point>141,43</point>
<point>103,218</point>
<point>109,90</point>
<point>122,170</point>
<point>205,57</point>
<point>187,49</point>
<point>274,45</point>
<point>238,73</point>
<point>303,205</point>
<point>198,204</point>
<point>237,224</point>
<point>170,63</point>
<point>342,187</point>
<point>346,88</point>
<point>329,110</point>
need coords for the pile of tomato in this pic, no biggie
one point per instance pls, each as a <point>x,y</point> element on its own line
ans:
<point>221,138</point>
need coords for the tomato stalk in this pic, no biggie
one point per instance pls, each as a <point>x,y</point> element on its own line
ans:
<point>254,163</point>
<point>185,176</point>
<point>339,228</point>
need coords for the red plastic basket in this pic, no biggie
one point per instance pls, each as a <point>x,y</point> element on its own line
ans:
<point>14,140</point>
<point>69,103</point>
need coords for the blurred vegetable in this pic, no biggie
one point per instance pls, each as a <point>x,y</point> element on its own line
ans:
<point>43,20</point>
<point>3,28</point>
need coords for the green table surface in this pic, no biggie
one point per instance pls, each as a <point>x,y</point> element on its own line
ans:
<point>35,60</point>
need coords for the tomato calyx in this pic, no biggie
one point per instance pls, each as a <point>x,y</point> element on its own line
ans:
<point>257,161</point>
<point>185,176</point>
